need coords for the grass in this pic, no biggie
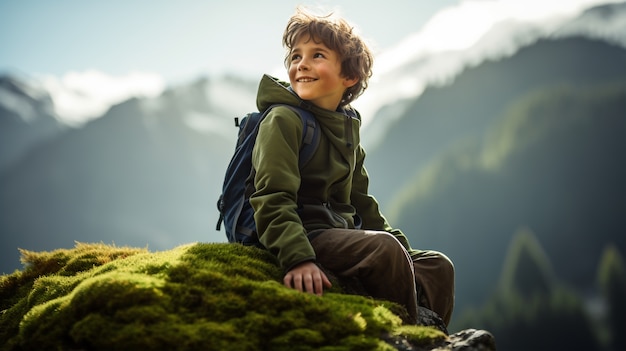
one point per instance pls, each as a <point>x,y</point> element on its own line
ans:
<point>210,296</point>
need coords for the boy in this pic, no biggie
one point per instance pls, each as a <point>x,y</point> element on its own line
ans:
<point>322,214</point>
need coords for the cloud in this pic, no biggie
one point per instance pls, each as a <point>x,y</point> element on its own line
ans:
<point>461,26</point>
<point>459,36</point>
<point>81,96</point>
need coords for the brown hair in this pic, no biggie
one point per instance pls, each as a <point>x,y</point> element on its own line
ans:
<point>338,35</point>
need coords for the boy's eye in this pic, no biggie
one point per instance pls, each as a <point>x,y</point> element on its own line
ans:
<point>295,57</point>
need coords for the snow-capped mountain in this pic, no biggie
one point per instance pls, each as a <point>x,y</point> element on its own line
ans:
<point>27,118</point>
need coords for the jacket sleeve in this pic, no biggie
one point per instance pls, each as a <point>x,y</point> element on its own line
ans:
<point>277,180</point>
<point>367,207</point>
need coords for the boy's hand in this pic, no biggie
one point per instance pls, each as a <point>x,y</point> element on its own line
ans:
<point>307,277</point>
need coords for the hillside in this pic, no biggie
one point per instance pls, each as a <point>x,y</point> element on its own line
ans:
<point>553,163</point>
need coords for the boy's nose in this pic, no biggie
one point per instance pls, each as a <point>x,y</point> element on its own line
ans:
<point>303,65</point>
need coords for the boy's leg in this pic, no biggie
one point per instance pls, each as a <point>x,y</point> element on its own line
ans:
<point>377,259</point>
<point>434,277</point>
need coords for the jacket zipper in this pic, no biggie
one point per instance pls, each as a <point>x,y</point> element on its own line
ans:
<point>336,215</point>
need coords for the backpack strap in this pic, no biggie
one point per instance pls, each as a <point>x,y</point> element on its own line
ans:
<point>310,134</point>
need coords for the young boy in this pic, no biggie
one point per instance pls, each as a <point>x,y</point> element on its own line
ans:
<point>322,214</point>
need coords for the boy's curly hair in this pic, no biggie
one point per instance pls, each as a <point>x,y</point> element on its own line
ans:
<point>338,35</point>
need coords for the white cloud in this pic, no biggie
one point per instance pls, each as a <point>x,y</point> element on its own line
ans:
<point>461,26</point>
<point>459,36</point>
<point>81,96</point>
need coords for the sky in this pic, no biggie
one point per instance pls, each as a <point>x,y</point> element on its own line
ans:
<point>178,39</point>
<point>94,53</point>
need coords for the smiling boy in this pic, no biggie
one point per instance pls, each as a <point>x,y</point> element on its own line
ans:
<point>322,214</point>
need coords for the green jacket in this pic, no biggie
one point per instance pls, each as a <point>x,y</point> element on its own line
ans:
<point>328,192</point>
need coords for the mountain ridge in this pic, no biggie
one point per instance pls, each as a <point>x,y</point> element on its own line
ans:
<point>465,108</point>
<point>27,118</point>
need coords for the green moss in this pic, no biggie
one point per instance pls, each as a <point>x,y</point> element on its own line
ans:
<point>70,261</point>
<point>420,336</point>
<point>197,296</point>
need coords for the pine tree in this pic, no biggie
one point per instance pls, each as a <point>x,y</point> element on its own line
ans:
<point>527,269</point>
<point>531,310</point>
<point>612,282</point>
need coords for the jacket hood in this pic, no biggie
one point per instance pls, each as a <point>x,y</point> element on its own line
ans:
<point>341,126</point>
<point>274,91</point>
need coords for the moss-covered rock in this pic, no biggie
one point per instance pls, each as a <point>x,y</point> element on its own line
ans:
<point>197,296</point>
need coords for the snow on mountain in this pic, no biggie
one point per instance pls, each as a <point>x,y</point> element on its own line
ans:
<point>229,98</point>
<point>604,22</point>
<point>207,105</point>
<point>27,117</point>
<point>81,96</point>
<point>24,98</point>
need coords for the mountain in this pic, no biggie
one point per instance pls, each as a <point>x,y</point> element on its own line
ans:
<point>466,108</point>
<point>470,212</point>
<point>553,161</point>
<point>27,118</point>
<point>560,172</point>
<point>147,173</point>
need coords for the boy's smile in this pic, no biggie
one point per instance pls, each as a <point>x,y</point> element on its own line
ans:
<point>315,74</point>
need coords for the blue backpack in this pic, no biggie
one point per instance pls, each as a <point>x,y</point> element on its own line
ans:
<point>233,205</point>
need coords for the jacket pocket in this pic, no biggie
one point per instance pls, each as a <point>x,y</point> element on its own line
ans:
<point>320,216</point>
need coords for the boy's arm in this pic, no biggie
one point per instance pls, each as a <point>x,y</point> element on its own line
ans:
<point>367,207</point>
<point>277,180</point>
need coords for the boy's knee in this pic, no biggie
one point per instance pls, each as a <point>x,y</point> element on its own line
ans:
<point>446,265</point>
<point>435,260</point>
<point>387,243</point>
<point>381,238</point>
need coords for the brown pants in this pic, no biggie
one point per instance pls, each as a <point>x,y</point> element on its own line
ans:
<point>386,271</point>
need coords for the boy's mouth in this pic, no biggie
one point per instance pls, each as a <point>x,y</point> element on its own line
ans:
<point>305,80</point>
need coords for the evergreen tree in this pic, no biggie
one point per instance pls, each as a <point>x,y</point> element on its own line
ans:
<point>612,282</point>
<point>527,269</point>
<point>530,309</point>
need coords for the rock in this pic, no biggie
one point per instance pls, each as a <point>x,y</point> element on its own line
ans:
<point>469,340</point>
<point>465,340</point>
<point>429,318</point>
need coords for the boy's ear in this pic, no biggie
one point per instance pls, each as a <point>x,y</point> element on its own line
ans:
<point>350,82</point>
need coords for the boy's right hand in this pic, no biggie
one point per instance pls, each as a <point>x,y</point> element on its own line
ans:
<point>307,277</point>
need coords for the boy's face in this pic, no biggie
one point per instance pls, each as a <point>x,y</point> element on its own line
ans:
<point>315,74</point>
